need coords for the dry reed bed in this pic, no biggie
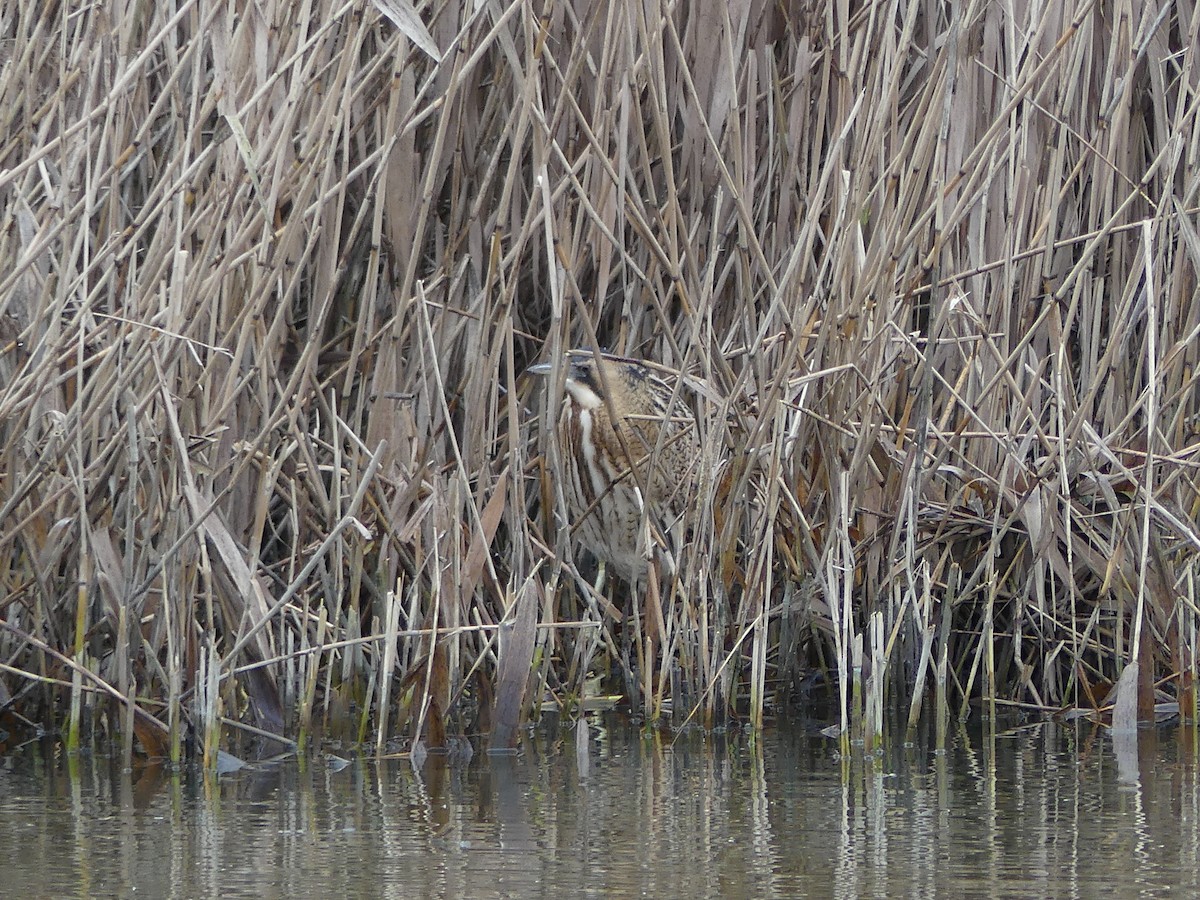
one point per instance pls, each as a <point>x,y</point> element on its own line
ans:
<point>271,275</point>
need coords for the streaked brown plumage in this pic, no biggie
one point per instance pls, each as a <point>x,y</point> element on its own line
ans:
<point>623,442</point>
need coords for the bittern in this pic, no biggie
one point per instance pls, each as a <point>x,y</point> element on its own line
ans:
<point>629,451</point>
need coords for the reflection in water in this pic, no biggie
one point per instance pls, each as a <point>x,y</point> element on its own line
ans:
<point>1040,810</point>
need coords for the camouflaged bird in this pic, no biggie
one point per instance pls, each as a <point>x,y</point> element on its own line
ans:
<point>628,455</point>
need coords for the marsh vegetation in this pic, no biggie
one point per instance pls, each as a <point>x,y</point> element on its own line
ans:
<point>271,275</point>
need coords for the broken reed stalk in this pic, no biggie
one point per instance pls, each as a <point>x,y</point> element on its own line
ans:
<point>268,292</point>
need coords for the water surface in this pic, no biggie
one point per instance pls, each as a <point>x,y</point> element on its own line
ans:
<point>1038,810</point>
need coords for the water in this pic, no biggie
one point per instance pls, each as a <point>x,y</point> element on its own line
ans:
<point>1042,810</point>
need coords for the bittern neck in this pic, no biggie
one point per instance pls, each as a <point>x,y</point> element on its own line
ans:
<point>583,395</point>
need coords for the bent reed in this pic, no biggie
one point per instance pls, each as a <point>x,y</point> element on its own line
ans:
<point>272,277</point>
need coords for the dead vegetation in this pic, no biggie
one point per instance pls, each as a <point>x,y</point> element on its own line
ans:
<point>272,273</point>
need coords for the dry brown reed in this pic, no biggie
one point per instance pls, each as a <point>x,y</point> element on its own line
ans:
<point>271,274</point>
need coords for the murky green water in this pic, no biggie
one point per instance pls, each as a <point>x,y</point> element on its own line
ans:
<point>1039,811</point>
